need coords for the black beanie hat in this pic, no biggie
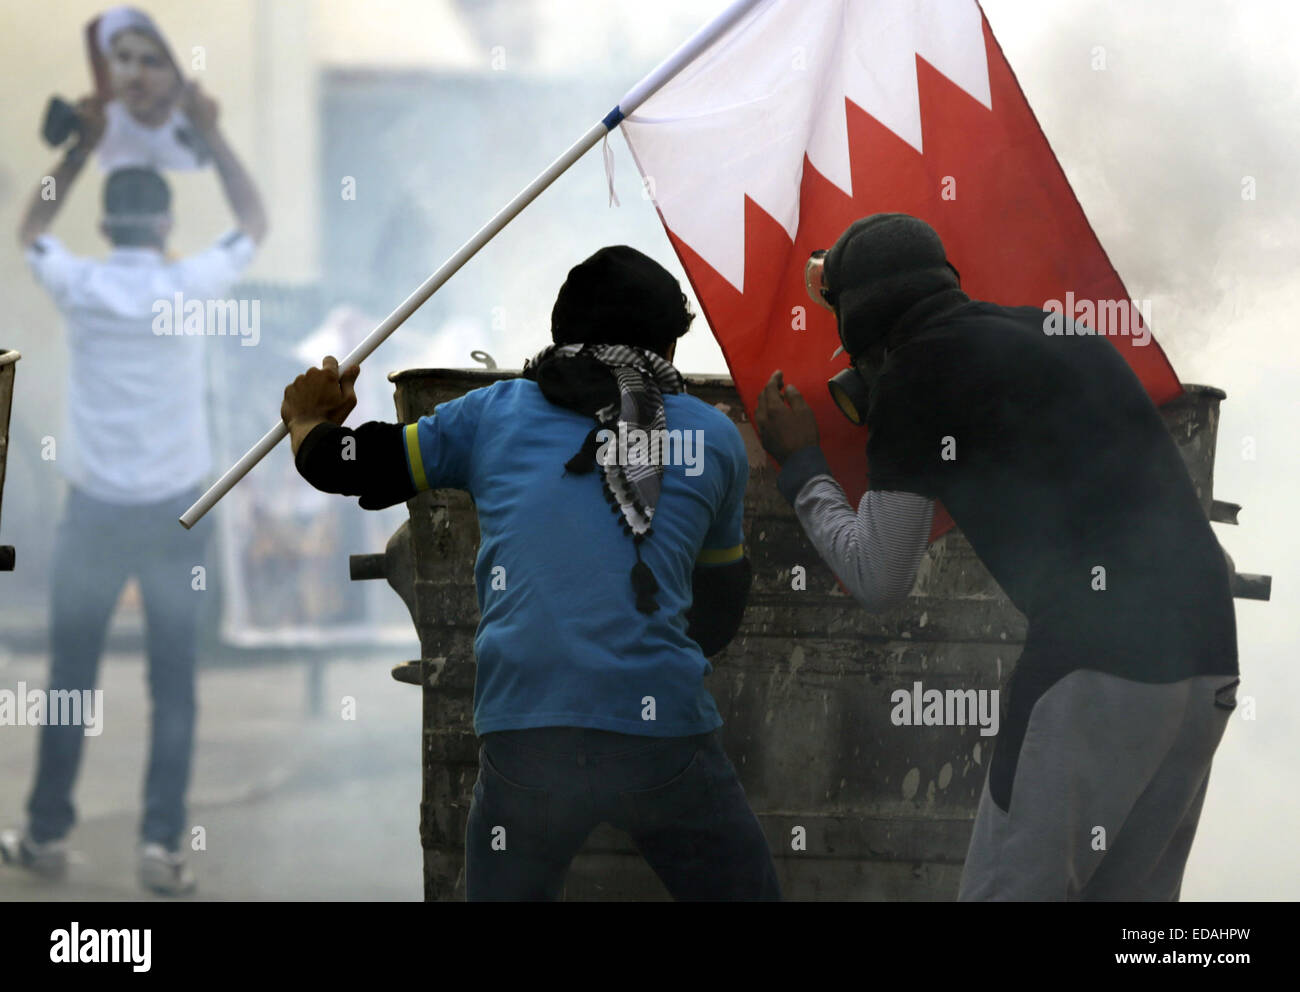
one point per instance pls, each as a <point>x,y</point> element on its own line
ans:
<point>136,190</point>
<point>878,269</point>
<point>620,296</point>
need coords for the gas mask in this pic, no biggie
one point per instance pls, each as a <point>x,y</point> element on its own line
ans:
<point>874,297</point>
<point>851,388</point>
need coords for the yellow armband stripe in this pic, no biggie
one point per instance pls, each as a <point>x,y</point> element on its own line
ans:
<point>413,459</point>
<point>721,556</point>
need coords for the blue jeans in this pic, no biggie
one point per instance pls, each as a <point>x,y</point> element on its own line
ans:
<point>98,547</point>
<point>541,792</point>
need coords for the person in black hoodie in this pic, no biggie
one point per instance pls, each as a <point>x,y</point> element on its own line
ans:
<point>1055,464</point>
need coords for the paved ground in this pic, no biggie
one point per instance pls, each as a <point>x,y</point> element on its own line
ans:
<point>293,807</point>
<point>323,808</point>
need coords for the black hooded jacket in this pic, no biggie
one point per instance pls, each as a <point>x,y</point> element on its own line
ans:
<point>1060,471</point>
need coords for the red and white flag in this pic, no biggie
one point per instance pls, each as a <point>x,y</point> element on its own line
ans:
<point>809,114</point>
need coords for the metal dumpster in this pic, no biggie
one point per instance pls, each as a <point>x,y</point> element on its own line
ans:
<point>853,806</point>
<point>8,365</point>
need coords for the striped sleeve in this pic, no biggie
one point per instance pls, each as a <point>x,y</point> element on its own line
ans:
<point>875,552</point>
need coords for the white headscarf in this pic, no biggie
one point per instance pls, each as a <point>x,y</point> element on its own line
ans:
<point>115,20</point>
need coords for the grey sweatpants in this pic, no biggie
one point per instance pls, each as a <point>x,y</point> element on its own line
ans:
<point>1107,792</point>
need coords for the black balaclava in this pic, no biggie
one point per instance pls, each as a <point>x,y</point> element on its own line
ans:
<point>878,269</point>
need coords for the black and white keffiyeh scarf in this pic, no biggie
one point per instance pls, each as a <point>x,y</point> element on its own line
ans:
<point>622,389</point>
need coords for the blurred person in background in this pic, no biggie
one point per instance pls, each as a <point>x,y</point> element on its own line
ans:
<point>136,455</point>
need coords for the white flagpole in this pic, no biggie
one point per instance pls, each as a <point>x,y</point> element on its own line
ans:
<point>665,71</point>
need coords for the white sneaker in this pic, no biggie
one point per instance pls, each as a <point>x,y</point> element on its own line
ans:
<point>49,860</point>
<point>163,872</point>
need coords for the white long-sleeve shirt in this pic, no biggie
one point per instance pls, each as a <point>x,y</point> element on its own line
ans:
<point>875,550</point>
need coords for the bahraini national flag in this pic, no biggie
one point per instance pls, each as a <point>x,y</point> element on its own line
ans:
<point>809,114</point>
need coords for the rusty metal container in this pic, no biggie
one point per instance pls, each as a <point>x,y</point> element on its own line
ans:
<point>8,366</point>
<point>885,811</point>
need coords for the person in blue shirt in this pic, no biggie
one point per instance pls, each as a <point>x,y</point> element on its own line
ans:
<point>610,567</point>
